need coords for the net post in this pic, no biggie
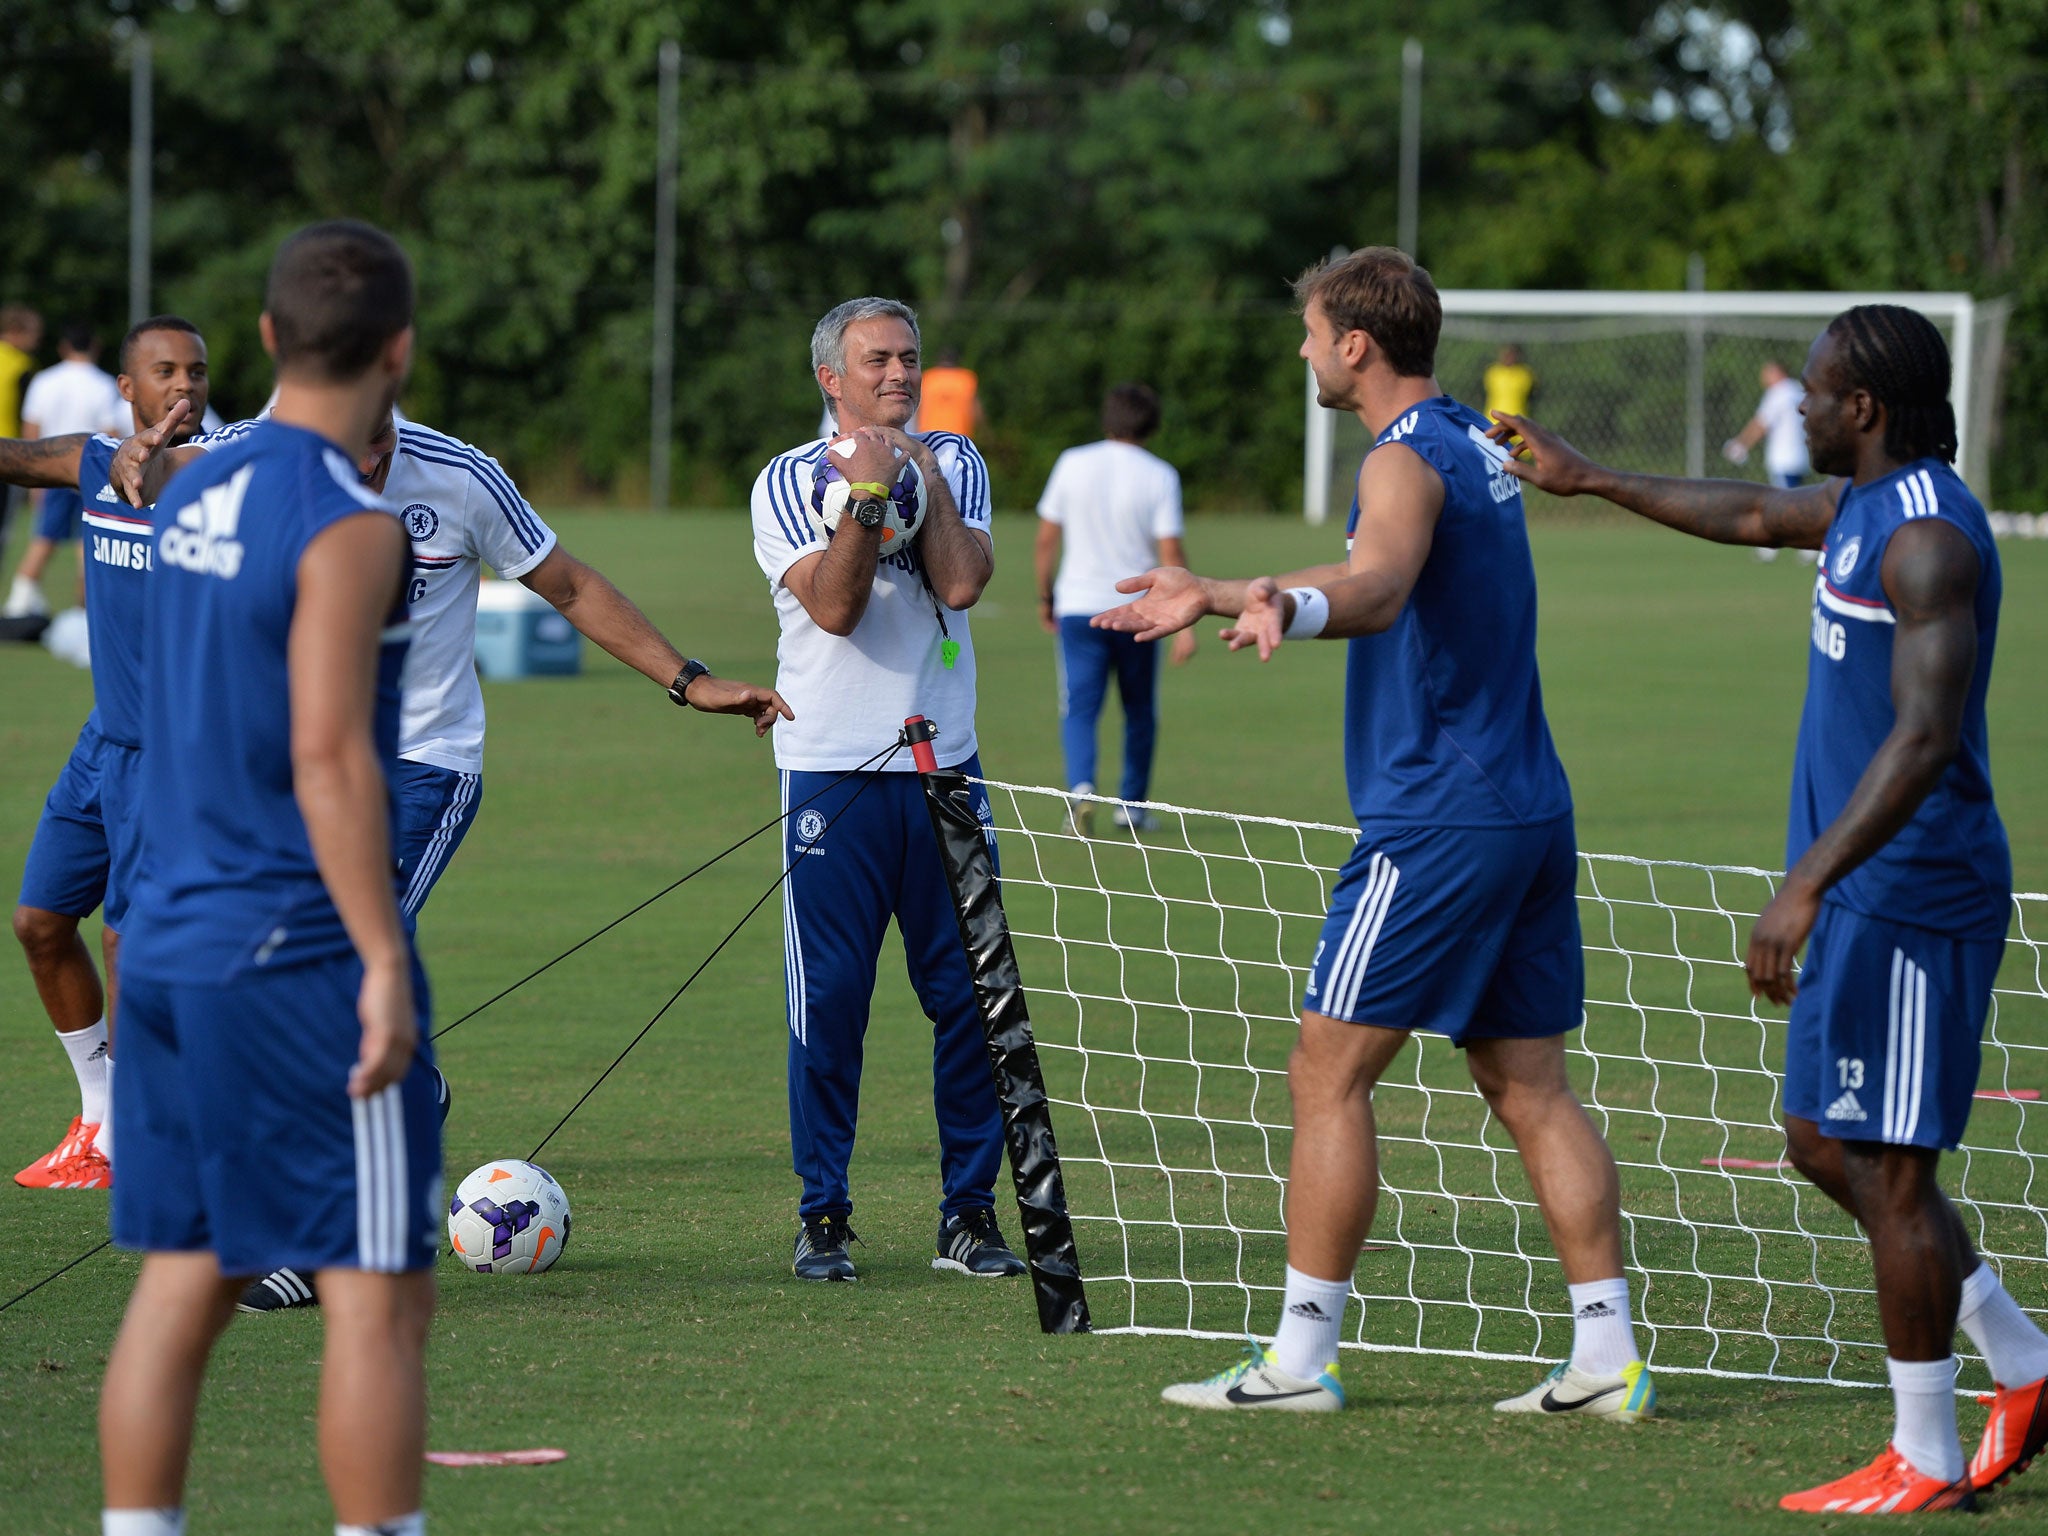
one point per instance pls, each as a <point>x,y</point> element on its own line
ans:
<point>1006,1027</point>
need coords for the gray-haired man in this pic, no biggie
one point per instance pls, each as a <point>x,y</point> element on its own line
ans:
<point>868,639</point>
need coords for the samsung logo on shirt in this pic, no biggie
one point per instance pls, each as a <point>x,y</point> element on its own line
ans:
<point>128,554</point>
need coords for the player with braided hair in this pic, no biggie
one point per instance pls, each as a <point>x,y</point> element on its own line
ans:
<point>1898,869</point>
<point>1902,360</point>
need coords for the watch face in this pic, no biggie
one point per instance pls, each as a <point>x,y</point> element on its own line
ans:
<point>868,513</point>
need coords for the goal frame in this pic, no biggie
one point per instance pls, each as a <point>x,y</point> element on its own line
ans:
<point>1960,310</point>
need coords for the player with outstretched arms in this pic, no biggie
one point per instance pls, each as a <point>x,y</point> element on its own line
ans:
<point>1899,876</point>
<point>1456,911</point>
<point>278,1105</point>
<point>873,633</point>
<point>88,838</point>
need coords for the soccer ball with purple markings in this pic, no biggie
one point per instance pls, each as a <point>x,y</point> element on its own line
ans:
<point>830,494</point>
<point>508,1218</point>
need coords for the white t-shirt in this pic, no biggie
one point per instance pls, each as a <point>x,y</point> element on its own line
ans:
<point>76,396</point>
<point>462,511</point>
<point>1784,431</point>
<point>851,694</point>
<point>1114,503</point>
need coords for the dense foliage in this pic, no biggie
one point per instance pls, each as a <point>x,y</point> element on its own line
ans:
<point>1073,191</point>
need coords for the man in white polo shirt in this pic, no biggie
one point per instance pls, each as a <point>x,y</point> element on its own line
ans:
<point>75,396</point>
<point>1116,508</point>
<point>869,639</point>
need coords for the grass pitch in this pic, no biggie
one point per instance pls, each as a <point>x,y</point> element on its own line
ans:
<point>694,1385</point>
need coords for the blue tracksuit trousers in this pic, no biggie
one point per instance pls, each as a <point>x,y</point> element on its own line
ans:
<point>863,853</point>
<point>1087,659</point>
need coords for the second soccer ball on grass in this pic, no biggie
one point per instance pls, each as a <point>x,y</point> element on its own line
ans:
<point>509,1218</point>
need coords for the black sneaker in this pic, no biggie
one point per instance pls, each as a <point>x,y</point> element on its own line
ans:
<point>279,1291</point>
<point>972,1244</point>
<point>821,1249</point>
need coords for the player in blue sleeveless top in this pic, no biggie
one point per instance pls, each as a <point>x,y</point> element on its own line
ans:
<point>276,1105</point>
<point>88,838</point>
<point>1456,911</point>
<point>1899,877</point>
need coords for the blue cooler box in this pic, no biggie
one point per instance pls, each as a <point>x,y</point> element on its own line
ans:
<point>519,634</point>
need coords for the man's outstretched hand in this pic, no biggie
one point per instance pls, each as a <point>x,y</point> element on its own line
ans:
<point>130,468</point>
<point>1263,622</point>
<point>1169,598</point>
<point>723,696</point>
<point>1541,457</point>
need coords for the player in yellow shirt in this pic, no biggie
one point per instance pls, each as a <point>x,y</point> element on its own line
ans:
<point>1509,384</point>
<point>21,332</point>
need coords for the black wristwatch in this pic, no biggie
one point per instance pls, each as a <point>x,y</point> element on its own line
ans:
<point>868,512</point>
<point>679,689</point>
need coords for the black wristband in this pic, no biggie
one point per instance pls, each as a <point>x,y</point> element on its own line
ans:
<point>679,689</point>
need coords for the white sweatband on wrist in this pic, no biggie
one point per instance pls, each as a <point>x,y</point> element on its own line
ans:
<point>1311,613</point>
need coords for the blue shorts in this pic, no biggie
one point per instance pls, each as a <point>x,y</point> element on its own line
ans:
<point>436,808</point>
<point>121,811</point>
<point>59,516</point>
<point>1472,932</point>
<point>238,1135</point>
<point>1887,1030</point>
<point>67,862</point>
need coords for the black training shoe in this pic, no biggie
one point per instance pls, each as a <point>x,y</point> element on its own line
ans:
<point>279,1291</point>
<point>821,1249</point>
<point>972,1244</point>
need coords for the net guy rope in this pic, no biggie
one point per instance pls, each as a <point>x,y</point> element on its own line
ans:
<point>1165,975</point>
<point>880,757</point>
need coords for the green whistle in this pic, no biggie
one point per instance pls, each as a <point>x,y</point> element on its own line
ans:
<point>949,652</point>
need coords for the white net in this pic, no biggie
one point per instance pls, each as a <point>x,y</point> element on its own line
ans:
<point>1165,973</point>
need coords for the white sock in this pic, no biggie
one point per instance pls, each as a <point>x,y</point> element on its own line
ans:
<point>414,1524</point>
<point>1311,1317</point>
<point>142,1522</point>
<point>2011,1343</point>
<point>1603,1339</point>
<point>87,1049</point>
<point>1924,1396</point>
<point>104,1141</point>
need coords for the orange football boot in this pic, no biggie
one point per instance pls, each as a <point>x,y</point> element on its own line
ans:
<point>87,1168</point>
<point>1888,1486</point>
<point>42,1173</point>
<point>2016,1434</point>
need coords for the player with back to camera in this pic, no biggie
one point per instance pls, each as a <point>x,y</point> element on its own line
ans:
<point>277,1105</point>
<point>1899,872</point>
<point>1108,508</point>
<point>461,510</point>
<point>872,634</point>
<point>76,396</point>
<point>1456,910</point>
<point>89,837</point>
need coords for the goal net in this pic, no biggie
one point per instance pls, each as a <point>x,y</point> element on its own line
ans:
<point>1656,382</point>
<point>1165,974</point>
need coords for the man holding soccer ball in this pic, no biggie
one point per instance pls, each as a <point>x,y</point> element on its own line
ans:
<point>875,544</point>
